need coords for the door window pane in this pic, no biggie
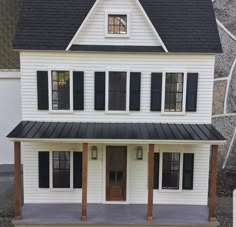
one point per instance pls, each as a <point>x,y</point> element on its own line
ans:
<point>170,170</point>
<point>174,92</point>
<point>60,90</point>
<point>117,91</point>
<point>61,169</point>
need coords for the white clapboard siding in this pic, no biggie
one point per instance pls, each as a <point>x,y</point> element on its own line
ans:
<point>137,176</point>
<point>93,31</point>
<point>31,62</point>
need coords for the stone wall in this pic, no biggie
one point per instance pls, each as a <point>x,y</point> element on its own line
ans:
<point>224,104</point>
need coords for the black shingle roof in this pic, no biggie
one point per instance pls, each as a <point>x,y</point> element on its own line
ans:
<point>115,131</point>
<point>50,24</point>
<point>183,25</point>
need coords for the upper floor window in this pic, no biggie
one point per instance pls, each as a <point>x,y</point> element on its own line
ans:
<point>174,92</point>
<point>117,24</point>
<point>60,90</point>
<point>117,91</point>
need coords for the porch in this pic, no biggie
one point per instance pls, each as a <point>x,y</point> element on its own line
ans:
<point>114,214</point>
<point>89,134</point>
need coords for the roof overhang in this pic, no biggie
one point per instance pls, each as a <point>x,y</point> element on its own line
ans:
<point>115,133</point>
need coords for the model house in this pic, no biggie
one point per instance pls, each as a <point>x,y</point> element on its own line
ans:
<point>116,113</point>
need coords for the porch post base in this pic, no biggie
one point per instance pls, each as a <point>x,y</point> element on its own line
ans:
<point>83,218</point>
<point>18,217</point>
<point>150,218</point>
<point>212,219</point>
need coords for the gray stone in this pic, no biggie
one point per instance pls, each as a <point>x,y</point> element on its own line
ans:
<point>231,100</point>
<point>226,125</point>
<point>225,60</point>
<point>6,222</point>
<point>219,96</point>
<point>226,12</point>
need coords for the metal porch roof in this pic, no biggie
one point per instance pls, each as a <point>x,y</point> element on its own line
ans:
<point>35,130</point>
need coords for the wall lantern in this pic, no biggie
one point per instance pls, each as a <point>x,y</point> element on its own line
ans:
<point>139,153</point>
<point>94,153</point>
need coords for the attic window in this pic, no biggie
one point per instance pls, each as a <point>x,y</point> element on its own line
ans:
<point>117,24</point>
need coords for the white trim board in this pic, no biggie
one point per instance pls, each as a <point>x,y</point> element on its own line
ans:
<point>122,141</point>
<point>9,74</point>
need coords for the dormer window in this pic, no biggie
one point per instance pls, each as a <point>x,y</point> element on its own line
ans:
<point>117,24</point>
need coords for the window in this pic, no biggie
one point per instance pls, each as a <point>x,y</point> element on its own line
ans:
<point>60,81</point>
<point>117,91</point>
<point>61,169</point>
<point>117,24</point>
<point>171,171</point>
<point>174,89</point>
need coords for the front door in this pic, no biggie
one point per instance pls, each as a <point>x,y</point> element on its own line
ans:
<point>116,163</point>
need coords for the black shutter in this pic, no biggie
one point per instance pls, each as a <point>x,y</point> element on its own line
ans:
<point>188,167</point>
<point>156,170</point>
<point>77,171</point>
<point>43,165</point>
<point>192,87</point>
<point>135,83</point>
<point>156,90</point>
<point>99,94</point>
<point>78,90</point>
<point>42,88</point>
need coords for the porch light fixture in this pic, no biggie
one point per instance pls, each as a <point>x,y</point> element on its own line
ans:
<point>139,153</point>
<point>94,153</point>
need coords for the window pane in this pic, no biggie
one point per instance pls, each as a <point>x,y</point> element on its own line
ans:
<point>60,90</point>
<point>170,170</point>
<point>117,91</point>
<point>61,169</point>
<point>117,24</point>
<point>174,92</point>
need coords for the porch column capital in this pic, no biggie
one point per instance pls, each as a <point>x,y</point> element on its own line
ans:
<point>150,182</point>
<point>18,183</point>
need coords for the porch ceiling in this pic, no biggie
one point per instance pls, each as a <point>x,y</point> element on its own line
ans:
<point>116,132</point>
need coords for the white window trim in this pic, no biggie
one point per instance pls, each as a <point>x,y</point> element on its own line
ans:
<point>183,112</point>
<point>117,12</point>
<point>71,172</point>
<point>107,111</point>
<point>50,91</point>
<point>180,173</point>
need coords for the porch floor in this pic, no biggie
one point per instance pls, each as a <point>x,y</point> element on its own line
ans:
<point>114,214</point>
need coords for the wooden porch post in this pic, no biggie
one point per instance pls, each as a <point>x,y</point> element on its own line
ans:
<point>84,182</point>
<point>212,186</point>
<point>18,186</point>
<point>150,182</point>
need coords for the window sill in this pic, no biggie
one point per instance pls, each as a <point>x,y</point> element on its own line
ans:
<point>117,36</point>
<point>62,189</point>
<point>168,190</point>
<point>61,111</point>
<point>117,112</point>
<point>173,113</point>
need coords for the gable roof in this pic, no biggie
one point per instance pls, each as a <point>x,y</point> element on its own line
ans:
<point>183,25</point>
